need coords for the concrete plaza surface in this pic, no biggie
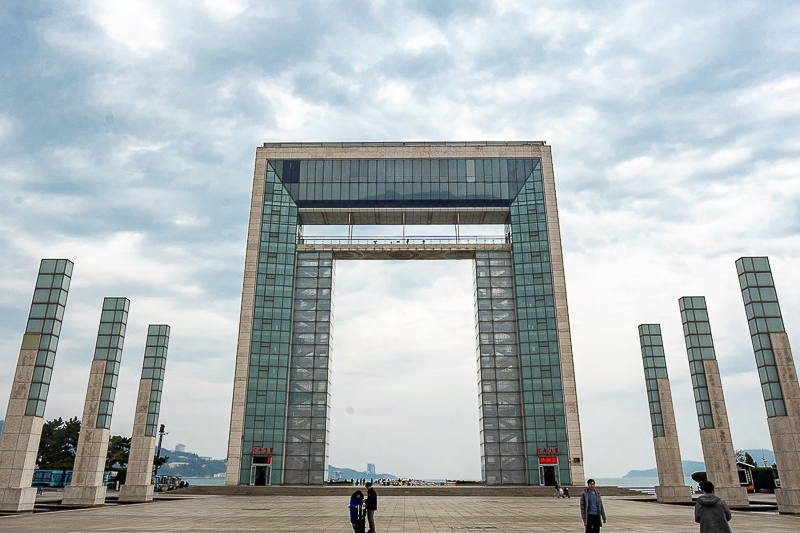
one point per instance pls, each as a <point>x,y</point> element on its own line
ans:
<point>396,514</point>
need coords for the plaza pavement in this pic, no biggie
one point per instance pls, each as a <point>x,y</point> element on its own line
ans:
<point>212,513</point>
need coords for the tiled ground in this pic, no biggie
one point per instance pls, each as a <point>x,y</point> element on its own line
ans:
<point>397,514</point>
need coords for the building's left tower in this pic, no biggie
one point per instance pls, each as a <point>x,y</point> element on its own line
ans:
<point>22,429</point>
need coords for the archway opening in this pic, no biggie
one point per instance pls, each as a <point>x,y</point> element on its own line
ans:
<point>404,383</point>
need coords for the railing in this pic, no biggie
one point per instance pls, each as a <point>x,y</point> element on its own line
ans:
<point>384,240</point>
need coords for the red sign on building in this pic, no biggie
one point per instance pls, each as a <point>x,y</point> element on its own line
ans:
<point>546,451</point>
<point>263,451</point>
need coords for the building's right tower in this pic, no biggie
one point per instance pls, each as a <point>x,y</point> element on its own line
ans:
<point>777,373</point>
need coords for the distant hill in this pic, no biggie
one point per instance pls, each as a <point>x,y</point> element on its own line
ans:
<point>349,473</point>
<point>697,466</point>
<point>688,468</point>
<point>187,464</point>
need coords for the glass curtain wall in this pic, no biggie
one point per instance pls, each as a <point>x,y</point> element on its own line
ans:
<point>699,347</point>
<point>542,391</point>
<point>265,411</point>
<point>308,416</point>
<point>655,368</point>
<point>764,317</point>
<point>524,379</point>
<point>502,441</point>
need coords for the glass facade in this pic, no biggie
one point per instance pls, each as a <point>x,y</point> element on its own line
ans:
<point>763,317</point>
<point>44,321</point>
<point>540,362</point>
<point>308,415</point>
<point>502,441</point>
<point>699,347</point>
<point>655,368</point>
<point>110,338</point>
<point>287,400</point>
<point>404,182</point>
<point>155,361</point>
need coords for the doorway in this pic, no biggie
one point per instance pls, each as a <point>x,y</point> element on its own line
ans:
<point>260,474</point>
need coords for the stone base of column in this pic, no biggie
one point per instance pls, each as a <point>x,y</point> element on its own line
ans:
<point>17,500</point>
<point>788,501</point>
<point>135,493</point>
<point>673,494</point>
<point>77,496</point>
<point>733,496</point>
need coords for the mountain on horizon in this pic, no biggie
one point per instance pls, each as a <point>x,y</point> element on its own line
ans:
<point>689,467</point>
<point>348,473</point>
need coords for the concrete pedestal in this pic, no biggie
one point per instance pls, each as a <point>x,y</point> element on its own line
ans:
<point>135,493</point>
<point>673,494</point>
<point>17,500</point>
<point>77,496</point>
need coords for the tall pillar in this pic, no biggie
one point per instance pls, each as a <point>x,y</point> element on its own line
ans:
<point>778,375</point>
<point>22,430</point>
<point>308,413</point>
<point>502,438</point>
<point>671,485</point>
<point>86,488</point>
<point>138,485</point>
<point>715,433</point>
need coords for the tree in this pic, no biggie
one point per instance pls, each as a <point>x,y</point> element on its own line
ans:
<point>119,449</point>
<point>744,457</point>
<point>59,443</point>
<point>159,461</point>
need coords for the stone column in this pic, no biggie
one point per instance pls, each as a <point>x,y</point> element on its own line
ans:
<point>138,485</point>
<point>715,433</point>
<point>778,375</point>
<point>86,488</point>
<point>22,430</point>
<point>671,485</point>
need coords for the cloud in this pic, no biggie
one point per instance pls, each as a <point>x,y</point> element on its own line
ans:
<point>127,136</point>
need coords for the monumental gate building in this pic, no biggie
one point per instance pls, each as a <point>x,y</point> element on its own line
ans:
<point>280,423</point>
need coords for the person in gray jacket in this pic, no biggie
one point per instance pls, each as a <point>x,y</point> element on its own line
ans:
<point>592,509</point>
<point>711,511</point>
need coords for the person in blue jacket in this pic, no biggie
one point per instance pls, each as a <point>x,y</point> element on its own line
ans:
<point>357,509</point>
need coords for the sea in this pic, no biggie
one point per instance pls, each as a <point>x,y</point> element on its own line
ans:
<point>204,480</point>
<point>644,484</point>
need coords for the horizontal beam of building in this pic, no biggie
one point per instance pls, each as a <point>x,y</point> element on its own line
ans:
<point>403,251</point>
<point>411,216</point>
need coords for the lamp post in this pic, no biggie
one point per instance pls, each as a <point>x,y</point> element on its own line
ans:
<point>161,434</point>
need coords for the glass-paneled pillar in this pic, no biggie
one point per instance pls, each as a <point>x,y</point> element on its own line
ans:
<point>671,485</point>
<point>712,415</point>
<point>22,430</point>
<point>502,439</point>
<point>777,372</point>
<point>86,488</point>
<point>308,414</point>
<point>138,485</point>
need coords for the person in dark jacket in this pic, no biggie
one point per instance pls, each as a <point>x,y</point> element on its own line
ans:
<point>711,511</point>
<point>371,504</point>
<point>592,509</point>
<point>357,510</point>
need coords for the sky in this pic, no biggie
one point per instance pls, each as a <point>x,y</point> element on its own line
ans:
<point>127,142</point>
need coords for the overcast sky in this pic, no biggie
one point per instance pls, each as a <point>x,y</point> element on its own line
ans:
<point>127,142</point>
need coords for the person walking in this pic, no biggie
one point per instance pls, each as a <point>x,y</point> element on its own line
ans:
<point>592,509</point>
<point>371,504</point>
<point>711,511</point>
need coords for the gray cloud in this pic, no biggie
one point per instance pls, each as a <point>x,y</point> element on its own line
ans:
<point>127,136</point>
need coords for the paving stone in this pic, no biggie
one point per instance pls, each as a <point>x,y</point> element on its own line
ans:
<point>397,514</point>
